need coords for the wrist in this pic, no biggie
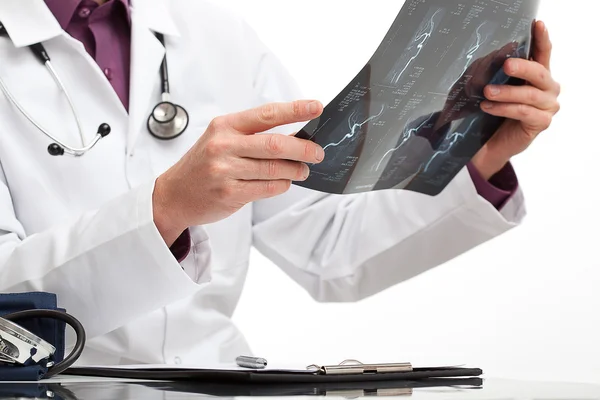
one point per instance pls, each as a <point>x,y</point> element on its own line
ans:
<point>488,165</point>
<point>163,212</point>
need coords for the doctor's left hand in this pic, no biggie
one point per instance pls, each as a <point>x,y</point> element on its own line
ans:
<point>529,109</point>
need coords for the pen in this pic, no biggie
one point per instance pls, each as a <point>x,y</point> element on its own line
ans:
<point>251,362</point>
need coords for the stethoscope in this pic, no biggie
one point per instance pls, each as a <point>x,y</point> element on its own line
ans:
<point>167,120</point>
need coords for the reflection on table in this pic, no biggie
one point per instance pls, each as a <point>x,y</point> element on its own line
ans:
<point>76,388</point>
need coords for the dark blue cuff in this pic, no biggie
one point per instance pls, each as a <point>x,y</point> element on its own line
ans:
<point>51,330</point>
<point>20,373</point>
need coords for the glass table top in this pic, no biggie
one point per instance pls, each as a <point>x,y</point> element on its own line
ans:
<point>76,388</point>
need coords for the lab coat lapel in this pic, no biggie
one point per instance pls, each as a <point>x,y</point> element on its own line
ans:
<point>146,57</point>
<point>28,21</point>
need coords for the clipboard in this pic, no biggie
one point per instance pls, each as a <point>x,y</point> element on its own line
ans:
<point>349,371</point>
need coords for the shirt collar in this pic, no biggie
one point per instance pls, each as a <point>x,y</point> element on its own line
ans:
<point>64,10</point>
<point>31,21</point>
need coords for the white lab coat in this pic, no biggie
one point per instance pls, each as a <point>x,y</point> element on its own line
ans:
<point>83,228</point>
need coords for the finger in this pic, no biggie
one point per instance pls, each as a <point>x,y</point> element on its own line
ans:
<point>525,94</point>
<point>272,115</point>
<point>542,46</point>
<point>484,68</point>
<point>258,190</point>
<point>250,169</point>
<point>530,116</point>
<point>530,71</point>
<point>275,146</point>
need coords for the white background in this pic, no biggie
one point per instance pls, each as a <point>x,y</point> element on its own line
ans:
<point>525,305</point>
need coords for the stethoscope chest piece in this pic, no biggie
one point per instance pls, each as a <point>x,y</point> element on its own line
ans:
<point>167,120</point>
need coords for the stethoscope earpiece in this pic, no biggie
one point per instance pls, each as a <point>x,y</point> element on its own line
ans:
<point>104,129</point>
<point>56,149</point>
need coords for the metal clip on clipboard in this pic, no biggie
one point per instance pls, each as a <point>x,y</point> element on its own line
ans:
<point>356,367</point>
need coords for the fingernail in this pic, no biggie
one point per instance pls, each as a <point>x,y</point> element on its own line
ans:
<point>319,153</point>
<point>305,172</point>
<point>494,90</point>
<point>487,105</point>
<point>312,107</point>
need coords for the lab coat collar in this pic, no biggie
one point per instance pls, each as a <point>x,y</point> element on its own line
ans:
<point>157,15</point>
<point>31,21</point>
<point>64,10</point>
<point>28,21</point>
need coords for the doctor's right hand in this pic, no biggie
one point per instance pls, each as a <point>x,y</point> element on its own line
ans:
<point>230,166</point>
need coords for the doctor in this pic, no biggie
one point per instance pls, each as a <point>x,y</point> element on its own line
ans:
<point>146,241</point>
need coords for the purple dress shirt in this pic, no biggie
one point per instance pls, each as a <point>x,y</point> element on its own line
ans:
<point>105,31</point>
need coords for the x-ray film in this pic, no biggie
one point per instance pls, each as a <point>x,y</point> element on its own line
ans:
<point>411,118</point>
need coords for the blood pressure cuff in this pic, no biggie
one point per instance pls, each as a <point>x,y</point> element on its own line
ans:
<point>51,330</point>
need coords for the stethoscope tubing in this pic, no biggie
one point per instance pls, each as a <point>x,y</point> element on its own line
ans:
<point>71,150</point>
<point>173,127</point>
